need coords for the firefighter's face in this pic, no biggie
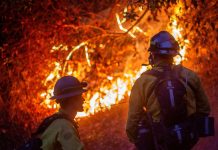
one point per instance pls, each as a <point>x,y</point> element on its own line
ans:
<point>76,103</point>
<point>80,101</point>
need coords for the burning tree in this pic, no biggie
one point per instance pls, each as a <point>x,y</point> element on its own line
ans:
<point>101,42</point>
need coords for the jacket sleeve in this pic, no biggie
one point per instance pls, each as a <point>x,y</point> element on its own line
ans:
<point>68,138</point>
<point>202,103</point>
<point>135,112</point>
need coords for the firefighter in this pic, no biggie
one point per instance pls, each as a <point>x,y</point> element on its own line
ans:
<point>62,133</point>
<point>149,107</point>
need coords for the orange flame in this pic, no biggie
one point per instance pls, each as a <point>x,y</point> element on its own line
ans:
<point>87,56</point>
<point>176,32</point>
<point>122,28</point>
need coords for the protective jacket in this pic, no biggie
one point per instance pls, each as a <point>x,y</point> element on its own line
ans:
<point>197,101</point>
<point>61,134</point>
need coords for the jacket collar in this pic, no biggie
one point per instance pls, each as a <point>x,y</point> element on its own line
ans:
<point>63,112</point>
<point>160,65</point>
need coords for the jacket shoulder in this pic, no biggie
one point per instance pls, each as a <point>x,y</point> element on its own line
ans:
<point>61,130</point>
<point>189,72</point>
<point>190,76</point>
<point>146,77</point>
<point>147,74</point>
<point>62,125</point>
<point>187,69</point>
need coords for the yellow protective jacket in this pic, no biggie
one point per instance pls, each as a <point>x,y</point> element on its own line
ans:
<point>61,135</point>
<point>197,100</point>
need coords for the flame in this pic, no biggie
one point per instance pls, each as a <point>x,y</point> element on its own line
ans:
<point>122,28</point>
<point>59,47</point>
<point>112,93</point>
<point>74,49</point>
<point>87,56</point>
<point>54,73</point>
<point>177,33</point>
<point>140,30</point>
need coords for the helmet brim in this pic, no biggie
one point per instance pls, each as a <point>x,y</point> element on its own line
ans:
<point>165,52</point>
<point>71,94</point>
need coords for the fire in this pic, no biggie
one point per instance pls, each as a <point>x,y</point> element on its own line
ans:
<point>119,22</point>
<point>87,56</point>
<point>177,33</point>
<point>59,47</point>
<point>135,28</point>
<point>54,73</point>
<point>112,93</point>
<point>75,49</point>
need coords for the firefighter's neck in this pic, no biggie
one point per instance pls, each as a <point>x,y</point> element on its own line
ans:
<point>68,111</point>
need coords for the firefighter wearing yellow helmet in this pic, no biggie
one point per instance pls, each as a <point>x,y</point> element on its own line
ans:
<point>164,100</point>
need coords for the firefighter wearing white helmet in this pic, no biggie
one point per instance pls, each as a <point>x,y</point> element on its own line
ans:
<point>59,131</point>
<point>63,133</point>
<point>164,99</point>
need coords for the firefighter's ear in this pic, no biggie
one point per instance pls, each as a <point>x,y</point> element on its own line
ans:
<point>151,59</point>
